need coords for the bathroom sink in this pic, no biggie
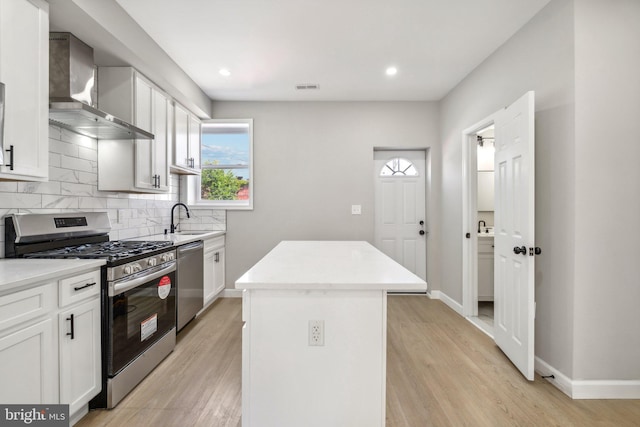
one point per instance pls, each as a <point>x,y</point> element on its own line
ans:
<point>193,233</point>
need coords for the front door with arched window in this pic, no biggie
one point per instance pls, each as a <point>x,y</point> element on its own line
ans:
<point>400,231</point>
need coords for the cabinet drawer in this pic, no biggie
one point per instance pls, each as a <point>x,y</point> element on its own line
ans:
<point>80,287</point>
<point>22,306</point>
<point>485,246</point>
<point>216,242</point>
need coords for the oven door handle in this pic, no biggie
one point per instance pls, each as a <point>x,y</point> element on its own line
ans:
<point>120,287</point>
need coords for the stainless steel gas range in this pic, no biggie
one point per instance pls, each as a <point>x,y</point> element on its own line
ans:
<point>138,290</point>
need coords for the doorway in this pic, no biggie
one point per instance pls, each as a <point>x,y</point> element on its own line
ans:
<point>513,240</point>
<point>400,224</point>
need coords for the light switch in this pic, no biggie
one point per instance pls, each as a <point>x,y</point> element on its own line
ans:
<point>356,210</point>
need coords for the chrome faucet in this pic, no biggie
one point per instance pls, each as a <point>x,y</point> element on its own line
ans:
<point>479,229</point>
<point>173,227</point>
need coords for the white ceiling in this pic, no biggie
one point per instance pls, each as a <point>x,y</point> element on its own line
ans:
<point>270,46</point>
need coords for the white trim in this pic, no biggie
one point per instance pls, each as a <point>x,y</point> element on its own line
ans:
<point>470,216</point>
<point>190,185</point>
<point>589,389</point>
<point>482,325</point>
<point>231,293</point>
<point>450,302</point>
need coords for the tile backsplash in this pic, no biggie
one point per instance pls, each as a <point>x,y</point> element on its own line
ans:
<point>73,186</point>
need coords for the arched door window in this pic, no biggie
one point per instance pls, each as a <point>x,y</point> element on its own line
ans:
<point>399,167</point>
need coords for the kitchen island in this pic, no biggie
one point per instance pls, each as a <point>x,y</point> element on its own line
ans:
<point>314,336</point>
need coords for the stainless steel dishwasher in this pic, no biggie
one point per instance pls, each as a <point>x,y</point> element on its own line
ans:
<point>190,278</point>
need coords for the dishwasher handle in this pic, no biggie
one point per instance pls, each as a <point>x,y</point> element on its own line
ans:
<point>190,247</point>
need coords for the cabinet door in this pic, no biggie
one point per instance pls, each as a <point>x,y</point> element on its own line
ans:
<point>24,69</point>
<point>181,137</point>
<point>160,149</point>
<point>194,141</point>
<point>28,365</point>
<point>209,276</point>
<point>143,106</point>
<point>218,270</point>
<point>80,371</point>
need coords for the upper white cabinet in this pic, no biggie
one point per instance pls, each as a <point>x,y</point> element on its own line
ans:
<point>186,142</point>
<point>24,71</point>
<point>138,165</point>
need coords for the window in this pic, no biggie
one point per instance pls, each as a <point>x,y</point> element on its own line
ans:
<point>226,180</point>
<point>399,167</point>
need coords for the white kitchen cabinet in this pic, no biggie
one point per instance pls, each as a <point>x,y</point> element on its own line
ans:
<point>140,165</point>
<point>186,142</point>
<point>485,268</point>
<point>214,271</point>
<point>79,338</point>
<point>38,365</point>
<point>27,356</point>
<point>24,70</point>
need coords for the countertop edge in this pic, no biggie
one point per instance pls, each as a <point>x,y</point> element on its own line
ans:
<point>56,269</point>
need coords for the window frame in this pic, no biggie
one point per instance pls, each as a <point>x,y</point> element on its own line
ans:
<point>193,188</point>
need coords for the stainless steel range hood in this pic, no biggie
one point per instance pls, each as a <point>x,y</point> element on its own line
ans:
<point>72,97</point>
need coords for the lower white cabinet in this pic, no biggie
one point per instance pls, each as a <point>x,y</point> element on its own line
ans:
<point>79,341</point>
<point>27,365</point>
<point>39,365</point>
<point>485,269</point>
<point>213,268</point>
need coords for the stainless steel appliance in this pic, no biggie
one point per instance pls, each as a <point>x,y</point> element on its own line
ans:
<point>72,92</point>
<point>138,290</point>
<point>190,282</point>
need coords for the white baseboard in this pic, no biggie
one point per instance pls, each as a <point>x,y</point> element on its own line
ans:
<point>231,293</point>
<point>589,389</point>
<point>454,305</point>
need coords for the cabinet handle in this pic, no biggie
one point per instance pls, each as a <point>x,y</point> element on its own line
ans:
<point>10,164</point>
<point>217,257</point>
<point>158,186</point>
<point>72,328</point>
<point>77,288</point>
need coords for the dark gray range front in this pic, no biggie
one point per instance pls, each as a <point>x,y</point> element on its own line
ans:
<point>138,290</point>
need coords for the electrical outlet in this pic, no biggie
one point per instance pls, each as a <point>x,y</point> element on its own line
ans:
<point>316,332</point>
<point>356,209</point>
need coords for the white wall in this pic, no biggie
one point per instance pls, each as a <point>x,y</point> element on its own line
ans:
<point>540,58</point>
<point>313,160</point>
<point>607,226</point>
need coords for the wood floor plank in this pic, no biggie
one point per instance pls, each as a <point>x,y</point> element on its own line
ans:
<point>441,371</point>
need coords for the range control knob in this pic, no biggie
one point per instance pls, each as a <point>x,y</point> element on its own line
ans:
<point>137,267</point>
<point>152,262</point>
<point>127,269</point>
<point>167,257</point>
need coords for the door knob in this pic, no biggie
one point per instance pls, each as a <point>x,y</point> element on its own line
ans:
<point>421,232</point>
<point>421,223</point>
<point>520,250</point>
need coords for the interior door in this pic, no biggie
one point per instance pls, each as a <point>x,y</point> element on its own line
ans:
<point>514,234</point>
<point>400,208</point>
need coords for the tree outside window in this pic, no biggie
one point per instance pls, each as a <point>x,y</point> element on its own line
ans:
<point>226,177</point>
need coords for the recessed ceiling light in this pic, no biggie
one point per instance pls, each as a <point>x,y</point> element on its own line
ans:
<point>391,71</point>
<point>224,72</point>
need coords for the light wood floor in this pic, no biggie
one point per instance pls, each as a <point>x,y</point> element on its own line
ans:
<point>441,371</point>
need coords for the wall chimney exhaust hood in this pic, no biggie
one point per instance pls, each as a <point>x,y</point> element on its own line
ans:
<point>72,93</point>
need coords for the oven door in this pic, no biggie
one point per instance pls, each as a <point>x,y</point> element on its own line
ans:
<point>142,309</point>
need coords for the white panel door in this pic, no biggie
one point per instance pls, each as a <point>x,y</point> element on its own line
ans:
<point>400,208</point>
<point>514,234</point>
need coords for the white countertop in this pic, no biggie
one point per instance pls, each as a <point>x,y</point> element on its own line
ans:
<point>183,238</point>
<point>19,272</point>
<point>337,265</point>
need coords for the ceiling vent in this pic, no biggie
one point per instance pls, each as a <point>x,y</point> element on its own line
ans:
<point>307,87</point>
